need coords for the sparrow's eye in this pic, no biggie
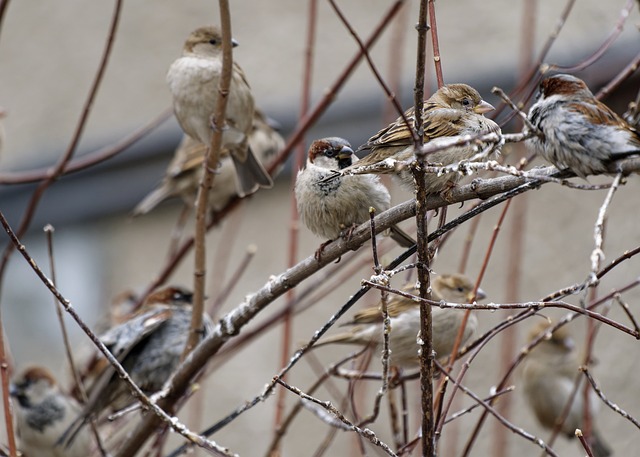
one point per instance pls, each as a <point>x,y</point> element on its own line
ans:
<point>460,289</point>
<point>466,102</point>
<point>330,153</point>
<point>213,41</point>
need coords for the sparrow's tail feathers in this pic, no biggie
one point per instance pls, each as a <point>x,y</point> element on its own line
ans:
<point>67,437</point>
<point>153,199</point>
<point>598,446</point>
<point>250,175</point>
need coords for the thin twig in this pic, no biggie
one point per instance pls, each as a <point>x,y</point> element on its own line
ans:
<point>627,311</point>
<point>89,159</point>
<point>210,164</point>
<point>606,401</point>
<point>607,43</point>
<point>437,58</point>
<point>598,254</point>
<point>584,443</point>
<point>502,419</point>
<point>49,230</point>
<point>363,432</point>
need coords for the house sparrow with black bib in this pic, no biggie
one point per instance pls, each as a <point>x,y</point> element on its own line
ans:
<point>42,413</point>
<point>184,173</point>
<point>193,80</point>
<point>331,208</point>
<point>404,314</point>
<point>548,374</point>
<point>148,345</point>
<point>454,109</point>
<point>577,131</point>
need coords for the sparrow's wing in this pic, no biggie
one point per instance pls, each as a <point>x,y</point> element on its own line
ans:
<point>187,158</point>
<point>122,338</point>
<point>395,134</point>
<point>599,112</point>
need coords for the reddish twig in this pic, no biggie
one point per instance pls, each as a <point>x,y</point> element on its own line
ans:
<point>210,164</point>
<point>437,58</point>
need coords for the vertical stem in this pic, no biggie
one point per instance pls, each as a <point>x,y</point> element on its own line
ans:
<point>295,223</point>
<point>426,343</point>
<point>516,243</point>
<point>210,164</point>
<point>434,42</point>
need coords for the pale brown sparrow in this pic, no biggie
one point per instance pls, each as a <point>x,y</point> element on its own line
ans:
<point>548,375</point>
<point>42,413</point>
<point>404,317</point>
<point>454,109</point>
<point>193,80</point>
<point>148,345</point>
<point>578,131</point>
<point>184,173</point>
<point>331,208</point>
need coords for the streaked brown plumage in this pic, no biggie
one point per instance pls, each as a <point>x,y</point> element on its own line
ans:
<point>548,375</point>
<point>43,412</point>
<point>579,132</point>
<point>184,173</point>
<point>193,80</point>
<point>148,345</point>
<point>454,109</point>
<point>404,315</point>
<point>330,209</point>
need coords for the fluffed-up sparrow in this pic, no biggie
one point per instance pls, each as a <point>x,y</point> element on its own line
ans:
<point>404,317</point>
<point>148,345</point>
<point>577,131</point>
<point>42,413</point>
<point>193,80</point>
<point>548,375</point>
<point>331,208</point>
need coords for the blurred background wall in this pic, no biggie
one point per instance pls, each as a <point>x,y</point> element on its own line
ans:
<point>48,57</point>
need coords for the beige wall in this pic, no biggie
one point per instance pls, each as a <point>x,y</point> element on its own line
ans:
<point>47,61</point>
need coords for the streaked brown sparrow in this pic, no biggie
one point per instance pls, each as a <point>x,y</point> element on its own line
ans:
<point>454,109</point>
<point>578,131</point>
<point>184,173</point>
<point>331,208</point>
<point>42,413</point>
<point>548,374</point>
<point>193,80</point>
<point>404,315</point>
<point>148,345</point>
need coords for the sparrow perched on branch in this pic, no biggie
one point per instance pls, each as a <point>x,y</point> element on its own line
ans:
<point>148,345</point>
<point>331,208</point>
<point>184,173</point>
<point>42,413</point>
<point>577,131</point>
<point>548,374</point>
<point>193,80</point>
<point>454,109</point>
<point>404,314</point>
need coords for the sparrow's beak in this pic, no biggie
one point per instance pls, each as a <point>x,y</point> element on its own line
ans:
<point>345,153</point>
<point>234,43</point>
<point>480,294</point>
<point>345,157</point>
<point>483,107</point>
